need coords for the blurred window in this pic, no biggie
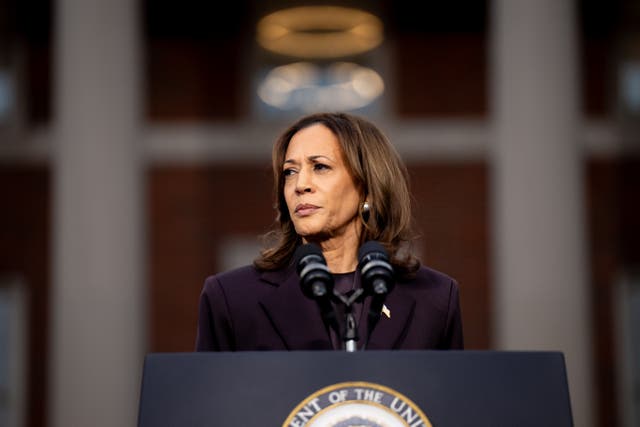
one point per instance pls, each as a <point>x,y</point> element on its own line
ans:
<point>629,350</point>
<point>12,352</point>
<point>6,96</point>
<point>237,250</point>
<point>630,87</point>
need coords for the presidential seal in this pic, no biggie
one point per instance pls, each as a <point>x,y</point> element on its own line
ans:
<point>357,404</point>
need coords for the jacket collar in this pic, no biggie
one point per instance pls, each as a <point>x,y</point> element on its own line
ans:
<point>295,317</point>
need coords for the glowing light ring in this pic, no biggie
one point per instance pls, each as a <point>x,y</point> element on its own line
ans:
<point>319,32</point>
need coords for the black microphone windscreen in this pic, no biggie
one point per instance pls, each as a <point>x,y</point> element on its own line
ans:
<point>305,250</point>
<point>376,271</point>
<point>369,247</point>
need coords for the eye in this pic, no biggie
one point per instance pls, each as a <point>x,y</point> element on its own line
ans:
<point>320,167</point>
<point>288,172</point>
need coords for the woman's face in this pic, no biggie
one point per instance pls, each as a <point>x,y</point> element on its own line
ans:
<point>321,196</point>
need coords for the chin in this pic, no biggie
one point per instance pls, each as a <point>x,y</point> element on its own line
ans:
<point>311,234</point>
<point>305,228</point>
<point>308,234</point>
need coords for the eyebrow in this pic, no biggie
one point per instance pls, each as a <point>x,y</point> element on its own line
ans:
<point>310,158</point>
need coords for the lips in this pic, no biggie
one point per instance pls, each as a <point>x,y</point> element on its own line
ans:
<point>305,209</point>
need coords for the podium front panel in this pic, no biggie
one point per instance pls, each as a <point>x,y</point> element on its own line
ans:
<point>452,388</point>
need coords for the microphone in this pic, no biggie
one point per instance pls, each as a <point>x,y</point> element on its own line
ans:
<point>315,278</point>
<point>376,275</point>
<point>375,268</point>
<point>316,281</point>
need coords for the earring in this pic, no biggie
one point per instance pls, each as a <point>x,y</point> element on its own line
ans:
<point>364,213</point>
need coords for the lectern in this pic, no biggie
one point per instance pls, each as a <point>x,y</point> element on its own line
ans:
<point>370,388</point>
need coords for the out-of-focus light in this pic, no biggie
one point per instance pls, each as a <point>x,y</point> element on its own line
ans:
<point>367,83</point>
<point>319,32</point>
<point>630,86</point>
<point>308,87</point>
<point>6,95</point>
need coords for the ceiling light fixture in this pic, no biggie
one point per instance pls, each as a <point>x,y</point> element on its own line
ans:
<point>319,32</point>
<point>309,87</point>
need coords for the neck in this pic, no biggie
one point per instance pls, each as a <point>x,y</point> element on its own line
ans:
<point>341,259</point>
<point>341,253</point>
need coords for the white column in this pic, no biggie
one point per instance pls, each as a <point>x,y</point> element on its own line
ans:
<point>541,287</point>
<point>98,334</point>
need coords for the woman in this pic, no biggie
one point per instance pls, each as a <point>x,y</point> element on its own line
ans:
<point>338,183</point>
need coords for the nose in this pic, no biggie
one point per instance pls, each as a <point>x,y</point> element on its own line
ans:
<point>304,183</point>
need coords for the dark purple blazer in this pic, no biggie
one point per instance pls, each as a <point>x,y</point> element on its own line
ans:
<point>246,309</point>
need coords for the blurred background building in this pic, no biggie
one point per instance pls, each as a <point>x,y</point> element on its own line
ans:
<point>135,141</point>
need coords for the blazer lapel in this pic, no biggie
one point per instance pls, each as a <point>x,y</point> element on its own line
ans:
<point>390,331</point>
<point>295,317</point>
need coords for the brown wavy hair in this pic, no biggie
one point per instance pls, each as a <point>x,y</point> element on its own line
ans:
<point>379,174</point>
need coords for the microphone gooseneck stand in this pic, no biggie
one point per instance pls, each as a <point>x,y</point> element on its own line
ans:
<point>349,331</point>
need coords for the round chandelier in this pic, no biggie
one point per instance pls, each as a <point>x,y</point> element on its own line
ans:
<point>319,32</point>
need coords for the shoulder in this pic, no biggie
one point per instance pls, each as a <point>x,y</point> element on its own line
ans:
<point>230,279</point>
<point>429,277</point>
<point>247,272</point>
<point>243,281</point>
<point>431,285</point>
<point>433,291</point>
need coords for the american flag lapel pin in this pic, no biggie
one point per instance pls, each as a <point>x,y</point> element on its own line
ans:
<point>386,311</point>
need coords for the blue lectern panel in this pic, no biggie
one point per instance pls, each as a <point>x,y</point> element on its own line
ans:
<point>453,388</point>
